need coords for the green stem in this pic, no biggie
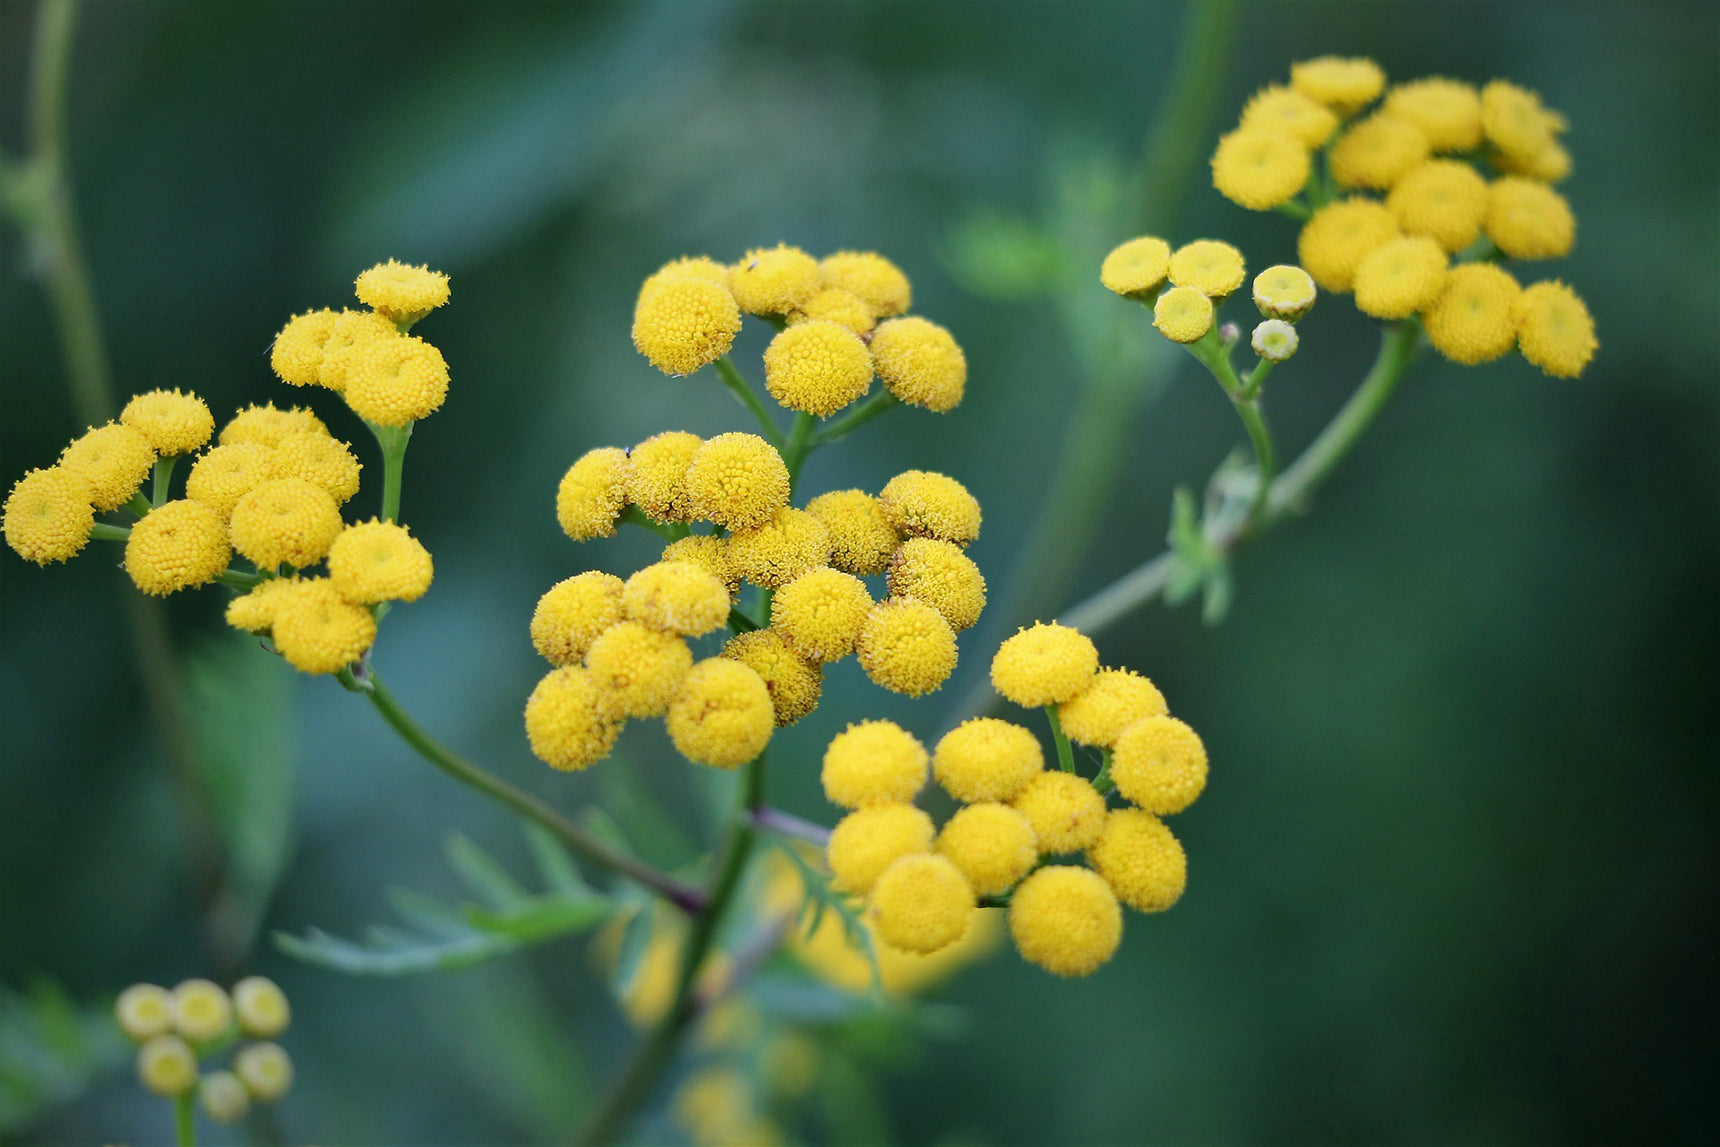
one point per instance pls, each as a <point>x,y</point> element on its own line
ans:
<point>139,506</point>
<point>1179,138</point>
<point>102,532</point>
<point>633,515</point>
<point>1102,780</point>
<point>1065,755</point>
<point>185,1119</point>
<point>740,621</point>
<point>1261,438</point>
<point>739,388</point>
<point>1296,209</point>
<point>394,440</point>
<point>240,580</point>
<point>800,444</point>
<point>856,418</point>
<point>1256,380</point>
<point>163,479</point>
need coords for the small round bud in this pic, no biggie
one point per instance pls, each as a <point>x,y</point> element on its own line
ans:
<point>1228,333</point>
<point>987,759</point>
<point>1274,340</point>
<point>262,1007</point>
<point>1044,664</point>
<point>874,762</point>
<point>993,844</point>
<point>223,1097</point>
<point>922,903</point>
<point>265,1070</point>
<point>144,1011</point>
<point>1284,292</point>
<point>868,840</point>
<point>1066,920</point>
<point>167,1066</point>
<point>1066,811</point>
<point>1183,315</point>
<point>201,1010</point>
<point>1159,764</point>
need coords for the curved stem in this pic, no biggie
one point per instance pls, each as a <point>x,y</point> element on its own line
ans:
<point>1261,437</point>
<point>1179,137</point>
<point>856,418</point>
<point>393,440</point>
<point>801,442</point>
<point>162,484</point>
<point>1065,755</point>
<point>103,532</point>
<point>787,824</point>
<point>739,388</point>
<point>185,1119</point>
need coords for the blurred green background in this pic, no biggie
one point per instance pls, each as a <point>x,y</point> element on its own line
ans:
<point>1453,879</point>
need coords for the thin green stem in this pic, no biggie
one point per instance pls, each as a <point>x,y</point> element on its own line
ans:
<point>240,580</point>
<point>740,621</point>
<point>800,443</point>
<point>185,1119</point>
<point>739,388</point>
<point>393,440</point>
<point>1065,754</point>
<point>633,515</point>
<point>1102,780</point>
<point>138,506</point>
<point>102,532</point>
<point>856,418</point>
<point>1256,379</point>
<point>1296,209</point>
<point>1261,438</point>
<point>162,483</point>
<point>1179,136</point>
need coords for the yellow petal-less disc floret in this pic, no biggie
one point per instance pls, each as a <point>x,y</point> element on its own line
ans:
<point>377,561</point>
<point>171,422</point>
<point>1400,277</point>
<point>224,474</point>
<point>1183,314</point>
<point>1287,112</point>
<point>254,610</point>
<point>1378,151</point>
<point>833,304</point>
<point>261,1007</point>
<point>1139,858</point>
<point>401,292</point>
<point>1529,220</point>
<point>818,367</point>
<point>316,629</point>
<point>318,459</point>
<point>868,840</point>
<point>922,903</point>
<point>592,494</point>
<point>924,504</point>
<point>869,276</point>
<point>861,536</point>
<point>266,425</point>
<point>1473,320</point>
<point>684,321</point>
<point>1515,122</point>
<point>1549,166</point>
<point>820,613</point>
<point>1342,84</point>
<point>1339,236</point>
<point>265,1069</point>
<point>993,845</point>
<point>779,549</point>
<point>657,475</point>
<point>1213,268</point>
<point>941,575</point>
<point>1554,329</point>
<point>707,551</point>
<point>737,481</point>
<point>696,266</point>
<point>1259,169</point>
<point>285,521</point>
<point>396,381</point>
<point>1136,268</point>
<point>48,517</point>
<point>722,716</point>
<point>223,1097</point>
<point>564,722</point>
<point>775,280</point>
<point>1284,292</point>
<point>794,682</point>
<point>1274,340</point>
<point>297,354</point>
<point>920,363</point>
<point>1066,811</point>
<point>1443,199</point>
<point>1066,920</point>
<point>114,459</point>
<point>167,1066</point>
<point>569,617</point>
<point>201,1010</point>
<point>907,647</point>
<point>144,1011</point>
<point>1114,700</point>
<point>1044,664</point>
<point>1159,764</point>
<point>637,668</point>
<point>1447,111</point>
<point>874,762</point>
<point>175,546</point>
<point>679,597</point>
<point>348,335</point>
<point>987,759</point>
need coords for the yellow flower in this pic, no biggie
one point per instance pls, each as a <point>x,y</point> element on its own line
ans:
<point>1066,811</point>
<point>637,668</point>
<point>223,1098</point>
<point>679,597</point>
<point>261,1007</point>
<point>297,354</point>
<point>829,955</point>
<point>265,425</point>
<point>657,475</point>
<point>1136,268</point>
<point>1213,268</point>
<point>833,304</point>
<point>224,474</point>
<point>987,759</point>
<point>874,762</point>
<point>1274,340</point>
<point>1400,277</point>
<point>794,682</point>
<point>684,321</point>
<point>870,276</point>
<point>569,617</point>
<point>1159,764</point>
<point>396,381</point>
<point>167,1066</point>
<point>1378,151</point>
<point>1339,236</point>
<point>907,647</point>
<point>348,335</point>
<point>285,521</point>
<point>316,629</point>
<point>776,280</point>
<point>201,1010</point>
<point>48,516</point>
<point>318,459</point>
<point>1447,111</point>
<point>737,481</point>
<point>265,1069</point>
<point>690,266</point>
<point>1065,920</point>
<point>707,551</point>
<point>1549,165</point>
<point>820,613</point>
<point>1284,292</point>
<point>377,561</point>
<point>114,459</point>
<point>922,903</point>
<point>868,840</point>
<point>861,536</point>
<point>992,844</point>
<point>1113,700</point>
<point>1343,85</point>
<point>817,366</point>
<point>1472,321</point>
<point>920,363</point>
<point>1287,112</point>
<point>1516,123</point>
<point>1183,314</point>
<point>1443,199</point>
<point>781,548</point>
<point>254,610</point>
<point>172,423</point>
<point>1258,169</point>
<point>144,1011</point>
<point>722,716</point>
<point>1554,330</point>
<point>401,292</point>
<point>1044,664</point>
<point>924,504</point>
<point>566,728</point>
<point>592,494</point>
<point>176,546</point>
<point>1140,859</point>
<point>939,574</point>
<point>1529,220</point>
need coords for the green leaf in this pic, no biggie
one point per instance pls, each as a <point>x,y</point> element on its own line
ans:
<point>51,1051</point>
<point>635,938</point>
<point>1220,590</point>
<point>821,898</point>
<point>556,867</point>
<point>482,873</point>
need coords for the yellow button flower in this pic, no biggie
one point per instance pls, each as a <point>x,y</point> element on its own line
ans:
<point>167,1066</point>
<point>833,304</point>
<point>868,840</point>
<point>992,844</point>
<point>1378,151</point>
<point>820,613</point>
<point>794,682</point>
<point>144,1011</point>
<point>569,617</point>
<point>1339,236</point>
<point>1136,268</point>
<point>316,629</point>
<point>1554,330</point>
<point>224,474</point>
<point>1140,859</point>
<point>657,475</point>
<point>223,1097</point>
<point>924,504</point>
<point>261,1007</point>
<point>1259,169</point>
<point>48,516</point>
<point>707,551</point>
<point>566,728</point>
<point>1400,277</point>
<point>1159,764</point>
<point>297,354</point>
<point>737,481</point>
<point>693,266</point>
<point>401,292</point>
<point>779,549</point>
<point>1473,319</point>
<point>874,762</point>
<point>1443,199</point>
<point>920,363</point>
<point>1289,113</point>
<point>1066,811</point>
<point>1529,220</point>
<point>1065,920</point>
<point>396,381</point>
<point>114,459</point>
<point>679,597</point>
<point>1274,340</point>
<point>1549,165</point>
<point>348,335</point>
<point>722,716</point>
<point>637,669</point>
<point>775,280</point>
<point>201,1010</point>
<point>1284,292</point>
<point>377,561</point>
<point>987,759</point>
<point>684,321</point>
<point>1342,84</point>
<point>1515,122</point>
<point>176,546</point>
<point>172,423</point>
<point>318,459</point>
<point>266,425</point>
<point>907,647</point>
<point>817,366</point>
<point>1183,314</point>
<point>265,1069</point>
<point>922,903</point>
<point>1447,111</point>
<point>285,521</point>
<point>1213,268</point>
<point>254,610</point>
<point>939,574</point>
<point>861,536</point>
<point>592,494</point>
<point>1112,701</point>
<point>1044,664</point>
<point>869,276</point>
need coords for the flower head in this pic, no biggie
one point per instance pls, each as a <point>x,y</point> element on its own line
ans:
<point>297,354</point>
<point>265,1070</point>
<point>820,613</point>
<point>261,1007</point>
<point>1213,268</point>
<point>1183,314</point>
<point>1447,111</point>
<point>1065,920</point>
<point>1159,764</point>
<point>794,682</point>
<point>924,504</point>
<point>678,597</point>
<point>377,561</point>
<point>861,536</point>
<point>1378,151</point>
<point>833,304</point>
<point>921,903</point>
<point>396,381</point>
<point>637,668</point>
<point>175,546</point>
<point>48,516</point>
<point>1137,268</point>
<point>1274,340</point>
<point>941,575</point>
<point>1289,113</point>
<point>684,321</point>
<point>1139,858</point>
<point>144,1011</point>
<point>1113,700</point>
<point>874,762</point>
<point>868,840</point>
<point>569,617</point>
<point>201,1010</point>
<point>254,610</point>
<point>349,334</point>
<point>1443,199</point>
<point>722,715</point>
<point>1066,811</point>
<point>707,551</point>
<point>920,363</point>
<point>316,629</point>
<point>266,425</point>
<point>401,292</point>
<point>993,845</point>
<point>1554,330</point>
<point>1339,236</point>
<point>779,549</point>
<point>567,728</point>
<point>1342,84</point>
<point>1516,123</point>
<point>1473,321</point>
<point>320,460</point>
<point>223,1097</point>
<point>1284,292</point>
<point>1529,220</point>
<point>907,647</point>
<point>171,422</point>
<point>1259,169</point>
<point>114,459</point>
<point>737,481</point>
<point>285,521</point>
<point>592,494</point>
<point>167,1066</point>
<point>1400,277</point>
<point>871,277</point>
<point>775,280</point>
<point>1044,664</point>
<point>817,366</point>
<point>987,759</point>
<point>224,474</point>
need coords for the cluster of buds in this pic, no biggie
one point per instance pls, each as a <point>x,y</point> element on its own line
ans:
<point>178,1032</point>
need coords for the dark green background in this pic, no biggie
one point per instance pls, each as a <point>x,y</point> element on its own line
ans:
<point>1453,880</point>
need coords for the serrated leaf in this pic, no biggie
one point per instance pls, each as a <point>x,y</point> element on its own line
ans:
<point>824,898</point>
<point>1220,590</point>
<point>483,873</point>
<point>635,939</point>
<point>555,863</point>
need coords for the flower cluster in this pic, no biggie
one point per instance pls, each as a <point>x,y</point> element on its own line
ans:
<point>176,1031</point>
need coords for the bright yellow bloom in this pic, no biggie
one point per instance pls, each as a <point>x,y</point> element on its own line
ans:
<point>167,1066</point>
<point>1183,314</point>
<point>266,425</point>
<point>1137,267</point>
<point>1529,220</point>
<point>1113,700</point>
<point>201,1010</point>
<point>175,546</point>
<point>1378,151</point>
<point>874,762</point>
<point>870,276</point>
<point>1258,168</point>
<point>833,304</point>
<point>657,475</point>
<point>684,321</point>
<point>779,549</point>
<point>1516,123</point>
<point>922,903</point>
<point>1213,268</point>
<point>285,521</point>
<point>1447,111</point>
<point>637,668</point>
<point>316,629</point>
<point>254,610</point>
<point>924,504</point>
<point>1549,165</point>
<point>351,332</point>
<point>318,459</point>
<point>224,474</point>
<point>987,759</point>
<point>569,617</point>
<point>172,423</point>
<point>1554,329</point>
<point>794,682</point>
<point>1284,292</point>
<point>1400,277</point>
<point>707,551</point>
<point>566,727</point>
<point>776,280</point>
<point>48,516</point>
<point>1139,858</point>
<point>261,1007</point>
<point>1065,920</point>
<point>592,494</point>
<point>1288,113</point>
<point>861,536</point>
<point>868,840</point>
<point>679,597</point>
<point>223,1098</point>
<point>1443,199</point>
<point>690,266</point>
<point>1066,811</point>
<point>144,1011</point>
<point>265,1069</point>
<point>401,292</point>
<point>817,366</point>
<point>907,647</point>
<point>396,381</point>
<point>1044,664</point>
<point>1159,764</point>
<point>939,574</point>
<point>377,561</point>
<point>114,459</point>
<point>829,955</point>
<point>920,363</point>
<point>722,716</point>
<point>1472,321</point>
<point>737,481</point>
<point>1343,85</point>
<point>1339,236</point>
<point>820,613</point>
<point>297,354</point>
<point>1274,340</point>
<point>993,845</point>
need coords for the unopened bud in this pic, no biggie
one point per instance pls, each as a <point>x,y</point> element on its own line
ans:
<point>1284,292</point>
<point>1274,340</point>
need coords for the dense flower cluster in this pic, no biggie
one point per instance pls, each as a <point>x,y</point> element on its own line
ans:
<point>178,1030</point>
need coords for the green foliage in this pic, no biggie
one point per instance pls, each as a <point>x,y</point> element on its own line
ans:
<point>51,1048</point>
<point>822,898</point>
<point>1200,564</point>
